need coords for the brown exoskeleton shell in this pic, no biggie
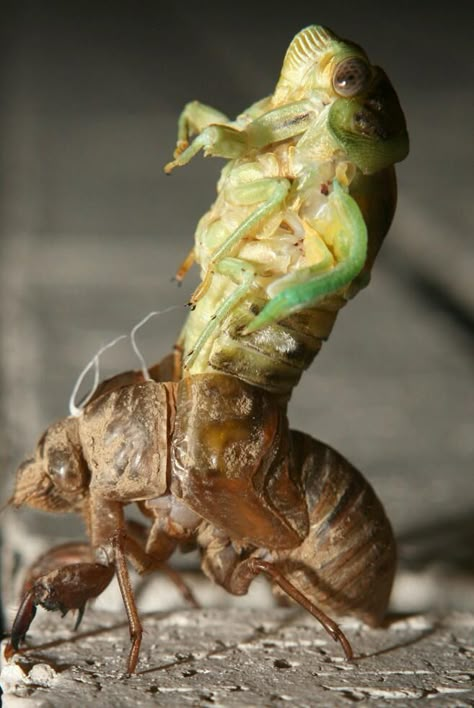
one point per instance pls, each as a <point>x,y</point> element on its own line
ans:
<point>231,465</point>
<point>124,436</point>
<point>212,463</point>
<point>346,563</point>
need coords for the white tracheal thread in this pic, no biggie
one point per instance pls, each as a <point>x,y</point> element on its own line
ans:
<point>140,357</point>
<point>94,362</point>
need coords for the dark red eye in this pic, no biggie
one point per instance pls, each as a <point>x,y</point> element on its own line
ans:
<point>351,77</point>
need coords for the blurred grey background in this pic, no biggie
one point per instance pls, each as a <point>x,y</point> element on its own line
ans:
<point>92,232</point>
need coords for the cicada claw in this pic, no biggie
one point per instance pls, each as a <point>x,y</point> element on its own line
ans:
<point>63,589</point>
<point>24,618</point>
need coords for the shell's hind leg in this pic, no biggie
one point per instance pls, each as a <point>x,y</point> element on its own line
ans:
<point>134,623</point>
<point>227,568</point>
<point>258,565</point>
<point>62,579</point>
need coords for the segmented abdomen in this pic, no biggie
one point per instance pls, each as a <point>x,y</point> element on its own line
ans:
<point>346,564</point>
<point>274,357</point>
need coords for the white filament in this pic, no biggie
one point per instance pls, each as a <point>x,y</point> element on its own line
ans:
<point>141,359</point>
<point>94,362</point>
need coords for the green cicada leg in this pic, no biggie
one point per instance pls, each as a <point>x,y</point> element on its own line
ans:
<point>345,232</point>
<point>194,118</point>
<point>240,272</point>
<point>221,139</point>
<point>270,193</point>
<point>282,123</point>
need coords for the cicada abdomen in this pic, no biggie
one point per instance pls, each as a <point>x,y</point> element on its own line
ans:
<point>346,564</point>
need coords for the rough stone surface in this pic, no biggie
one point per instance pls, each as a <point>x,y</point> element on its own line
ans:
<point>242,657</point>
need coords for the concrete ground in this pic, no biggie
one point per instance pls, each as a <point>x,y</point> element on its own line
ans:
<point>92,232</point>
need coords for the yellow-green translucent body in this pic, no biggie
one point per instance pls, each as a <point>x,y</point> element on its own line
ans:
<point>275,356</point>
<point>302,208</point>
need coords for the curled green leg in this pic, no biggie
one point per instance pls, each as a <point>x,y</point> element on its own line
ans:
<point>218,139</point>
<point>195,117</point>
<point>345,232</point>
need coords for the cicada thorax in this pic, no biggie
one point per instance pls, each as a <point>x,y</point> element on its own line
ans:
<point>230,462</point>
<point>346,563</point>
<point>124,435</point>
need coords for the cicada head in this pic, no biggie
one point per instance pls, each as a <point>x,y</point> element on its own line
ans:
<point>309,64</point>
<point>365,121</point>
<point>57,479</point>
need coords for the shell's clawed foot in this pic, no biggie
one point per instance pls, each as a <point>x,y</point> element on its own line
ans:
<point>24,618</point>
<point>64,589</point>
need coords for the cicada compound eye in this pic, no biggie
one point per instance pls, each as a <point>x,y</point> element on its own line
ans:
<point>351,77</point>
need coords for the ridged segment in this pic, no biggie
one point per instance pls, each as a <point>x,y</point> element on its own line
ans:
<point>274,357</point>
<point>346,564</point>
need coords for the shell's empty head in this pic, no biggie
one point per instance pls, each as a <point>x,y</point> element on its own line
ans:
<point>365,118</point>
<point>57,478</point>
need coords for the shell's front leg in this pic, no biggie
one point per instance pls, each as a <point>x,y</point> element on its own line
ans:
<point>63,579</point>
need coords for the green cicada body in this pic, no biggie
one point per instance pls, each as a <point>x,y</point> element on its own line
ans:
<point>303,206</point>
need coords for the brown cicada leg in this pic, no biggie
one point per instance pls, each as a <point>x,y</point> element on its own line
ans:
<point>226,568</point>
<point>256,565</point>
<point>135,625</point>
<point>144,562</point>
<point>126,546</point>
<point>185,265</point>
<point>62,579</point>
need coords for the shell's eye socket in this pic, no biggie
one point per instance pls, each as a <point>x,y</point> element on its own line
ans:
<point>65,471</point>
<point>351,77</point>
